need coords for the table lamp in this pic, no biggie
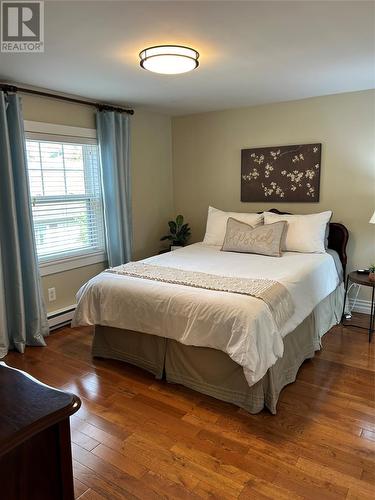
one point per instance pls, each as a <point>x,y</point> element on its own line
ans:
<point>366,271</point>
<point>371,275</point>
<point>348,311</point>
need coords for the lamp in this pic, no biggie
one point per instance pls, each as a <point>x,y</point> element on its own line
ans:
<point>372,220</point>
<point>169,59</point>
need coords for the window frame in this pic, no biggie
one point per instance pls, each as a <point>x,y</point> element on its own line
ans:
<point>40,131</point>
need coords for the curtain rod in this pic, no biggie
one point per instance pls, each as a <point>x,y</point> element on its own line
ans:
<point>107,107</point>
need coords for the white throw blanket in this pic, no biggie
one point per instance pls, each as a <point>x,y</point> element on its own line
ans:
<point>275,295</point>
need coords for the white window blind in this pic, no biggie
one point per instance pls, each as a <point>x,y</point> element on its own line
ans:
<point>66,197</point>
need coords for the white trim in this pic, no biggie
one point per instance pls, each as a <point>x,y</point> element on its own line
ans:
<point>60,130</point>
<point>37,136</point>
<point>361,306</point>
<point>61,317</point>
<point>61,265</point>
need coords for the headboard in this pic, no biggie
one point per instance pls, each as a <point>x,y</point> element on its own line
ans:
<point>337,237</point>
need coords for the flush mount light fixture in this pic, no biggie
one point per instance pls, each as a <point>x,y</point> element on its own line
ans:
<point>169,59</point>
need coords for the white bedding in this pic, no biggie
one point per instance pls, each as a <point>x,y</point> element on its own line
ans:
<point>239,325</point>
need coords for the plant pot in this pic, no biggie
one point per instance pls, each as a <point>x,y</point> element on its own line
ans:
<point>175,246</point>
<point>371,277</point>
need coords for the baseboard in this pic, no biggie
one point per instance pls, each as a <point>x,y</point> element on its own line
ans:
<point>61,317</point>
<point>361,306</point>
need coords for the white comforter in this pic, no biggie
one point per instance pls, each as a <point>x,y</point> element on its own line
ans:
<point>239,325</point>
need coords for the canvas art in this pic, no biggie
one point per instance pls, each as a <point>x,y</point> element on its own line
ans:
<point>281,173</point>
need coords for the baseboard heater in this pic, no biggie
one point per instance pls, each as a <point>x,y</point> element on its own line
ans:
<point>360,306</point>
<point>61,317</point>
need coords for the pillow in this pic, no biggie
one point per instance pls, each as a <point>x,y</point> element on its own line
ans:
<point>264,240</point>
<point>217,224</point>
<point>305,233</point>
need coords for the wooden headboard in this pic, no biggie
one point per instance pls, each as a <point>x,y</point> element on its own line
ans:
<point>337,237</point>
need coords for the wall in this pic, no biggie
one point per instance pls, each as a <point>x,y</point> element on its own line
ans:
<point>152,199</point>
<point>151,153</point>
<point>207,149</point>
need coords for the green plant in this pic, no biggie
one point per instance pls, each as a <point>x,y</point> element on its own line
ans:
<point>371,268</point>
<point>179,232</point>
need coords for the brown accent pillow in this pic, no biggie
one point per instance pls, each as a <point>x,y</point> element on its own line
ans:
<point>263,240</point>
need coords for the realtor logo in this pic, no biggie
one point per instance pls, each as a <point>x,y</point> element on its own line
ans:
<point>22,26</point>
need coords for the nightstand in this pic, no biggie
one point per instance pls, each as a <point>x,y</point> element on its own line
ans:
<point>360,279</point>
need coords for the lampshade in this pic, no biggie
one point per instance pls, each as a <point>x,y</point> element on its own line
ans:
<point>169,59</point>
<point>372,220</point>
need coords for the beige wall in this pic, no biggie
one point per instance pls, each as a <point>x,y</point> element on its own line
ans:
<point>207,149</point>
<point>152,198</point>
<point>151,153</point>
<point>67,284</point>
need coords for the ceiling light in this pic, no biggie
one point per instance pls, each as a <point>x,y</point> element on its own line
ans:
<point>169,59</point>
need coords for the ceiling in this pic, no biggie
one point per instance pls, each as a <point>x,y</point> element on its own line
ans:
<point>251,52</point>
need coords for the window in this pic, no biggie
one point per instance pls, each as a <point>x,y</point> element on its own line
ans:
<point>66,197</point>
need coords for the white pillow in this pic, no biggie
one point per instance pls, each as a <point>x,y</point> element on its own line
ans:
<point>305,233</point>
<point>217,224</point>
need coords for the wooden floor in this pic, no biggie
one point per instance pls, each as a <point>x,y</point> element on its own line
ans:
<point>139,438</point>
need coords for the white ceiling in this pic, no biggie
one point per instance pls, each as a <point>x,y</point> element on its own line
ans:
<point>251,52</point>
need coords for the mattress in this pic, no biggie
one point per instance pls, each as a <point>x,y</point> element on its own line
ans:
<point>238,325</point>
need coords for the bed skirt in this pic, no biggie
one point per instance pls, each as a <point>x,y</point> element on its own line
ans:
<point>212,372</point>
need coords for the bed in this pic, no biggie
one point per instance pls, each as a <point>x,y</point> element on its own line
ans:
<point>226,345</point>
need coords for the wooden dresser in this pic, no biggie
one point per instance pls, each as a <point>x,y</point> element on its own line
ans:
<point>35,450</point>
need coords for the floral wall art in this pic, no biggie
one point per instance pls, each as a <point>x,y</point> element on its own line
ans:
<point>281,173</point>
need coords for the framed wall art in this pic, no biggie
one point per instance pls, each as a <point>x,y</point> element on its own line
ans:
<point>281,173</point>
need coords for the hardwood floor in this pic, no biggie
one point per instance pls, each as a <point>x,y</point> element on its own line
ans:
<point>135,437</point>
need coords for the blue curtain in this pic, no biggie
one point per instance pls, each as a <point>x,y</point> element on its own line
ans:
<point>23,320</point>
<point>114,143</point>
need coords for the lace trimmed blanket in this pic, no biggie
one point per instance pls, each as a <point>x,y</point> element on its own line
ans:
<point>273,293</point>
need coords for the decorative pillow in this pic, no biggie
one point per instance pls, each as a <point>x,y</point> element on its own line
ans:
<point>265,240</point>
<point>217,224</point>
<point>305,233</point>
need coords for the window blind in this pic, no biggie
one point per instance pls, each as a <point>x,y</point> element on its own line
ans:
<point>65,187</point>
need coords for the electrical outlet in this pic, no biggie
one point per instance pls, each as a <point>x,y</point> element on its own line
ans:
<point>51,294</point>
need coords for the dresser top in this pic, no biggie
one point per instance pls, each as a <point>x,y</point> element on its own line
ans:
<point>29,406</point>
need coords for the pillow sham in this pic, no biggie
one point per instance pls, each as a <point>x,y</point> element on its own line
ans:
<point>217,224</point>
<point>263,240</point>
<point>305,233</point>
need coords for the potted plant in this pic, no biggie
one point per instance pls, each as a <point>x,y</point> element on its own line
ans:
<point>371,275</point>
<point>179,232</point>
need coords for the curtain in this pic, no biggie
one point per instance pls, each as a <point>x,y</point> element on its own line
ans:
<point>23,320</point>
<point>113,130</point>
